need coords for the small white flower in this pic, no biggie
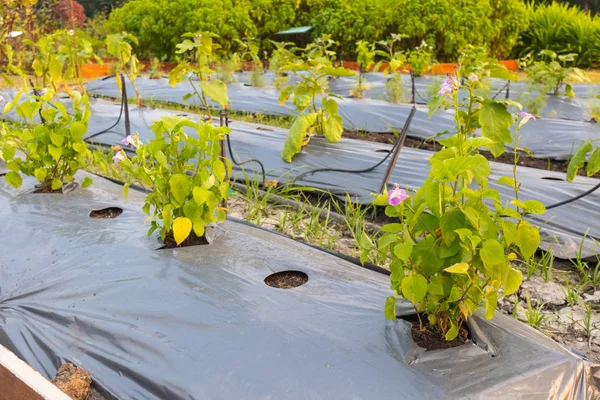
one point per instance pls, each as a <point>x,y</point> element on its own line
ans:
<point>71,32</point>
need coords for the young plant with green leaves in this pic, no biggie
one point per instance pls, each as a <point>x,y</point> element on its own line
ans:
<point>249,51</point>
<point>317,107</point>
<point>587,156</point>
<point>421,58</point>
<point>551,73</point>
<point>283,54</point>
<point>185,175</point>
<point>366,58</point>
<point>534,315</point>
<point>227,67</point>
<point>119,45</point>
<point>454,241</point>
<point>58,58</point>
<point>155,71</point>
<point>200,50</point>
<point>52,151</point>
<point>396,60</point>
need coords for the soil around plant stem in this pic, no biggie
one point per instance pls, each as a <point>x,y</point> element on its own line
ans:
<point>191,240</point>
<point>506,158</point>
<point>106,213</point>
<point>286,279</point>
<point>427,338</point>
<point>47,189</point>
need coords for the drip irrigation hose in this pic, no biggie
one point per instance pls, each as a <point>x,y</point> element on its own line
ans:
<point>399,142</point>
<point>123,106</point>
<point>236,162</point>
<point>38,94</point>
<point>507,87</point>
<point>572,199</point>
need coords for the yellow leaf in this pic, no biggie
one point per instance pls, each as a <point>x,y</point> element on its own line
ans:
<point>459,268</point>
<point>464,309</point>
<point>181,229</point>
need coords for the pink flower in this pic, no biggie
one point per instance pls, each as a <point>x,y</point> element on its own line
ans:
<point>449,85</point>
<point>524,114</point>
<point>131,140</point>
<point>473,78</point>
<point>118,157</point>
<point>2,99</point>
<point>397,196</point>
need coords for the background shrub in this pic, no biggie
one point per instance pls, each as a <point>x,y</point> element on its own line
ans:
<point>159,24</point>
<point>508,28</point>
<point>563,29</point>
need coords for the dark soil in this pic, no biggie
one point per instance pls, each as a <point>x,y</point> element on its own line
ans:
<point>191,240</point>
<point>286,279</point>
<point>47,189</point>
<point>506,158</point>
<point>431,340</point>
<point>74,381</point>
<point>111,212</point>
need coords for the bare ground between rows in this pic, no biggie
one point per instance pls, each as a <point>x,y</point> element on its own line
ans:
<point>506,158</point>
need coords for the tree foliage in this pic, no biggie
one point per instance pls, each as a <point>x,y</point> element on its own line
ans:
<point>70,13</point>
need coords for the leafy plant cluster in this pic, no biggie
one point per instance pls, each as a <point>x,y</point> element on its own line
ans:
<point>587,156</point>
<point>421,58</point>
<point>455,239</point>
<point>563,29</point>
<point>199,56</point>
<point>52,151</point>
<point>283,54</point>
<point>58,57</point>
<point>390,52</point>
<point>186,177</point>
<point>119,45</point>
<point>316,106</point>
<point>250,51</point>
<point>552,71</point>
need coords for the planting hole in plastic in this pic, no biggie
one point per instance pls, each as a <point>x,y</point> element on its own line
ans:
<point>552,178</point>
<point>286,279</point>
<point>260,128</point>
<point>106,213</point>
<point>382,151</point>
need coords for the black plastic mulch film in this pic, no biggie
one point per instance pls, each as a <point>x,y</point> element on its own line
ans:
<point>565,123</point>
<point>200,323</point>
<point>569,230</point>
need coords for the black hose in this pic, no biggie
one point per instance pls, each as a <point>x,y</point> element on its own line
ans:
<point>123,105</point>
<point>507,87</point>
<point>369,169</point>
<point>572,199</point>
<point>38,94</point>
<point>250,160</point>
<point>240,163</point>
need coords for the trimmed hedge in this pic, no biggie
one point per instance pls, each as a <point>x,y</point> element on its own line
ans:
<point>159,24</point>
<point>506,27</point>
